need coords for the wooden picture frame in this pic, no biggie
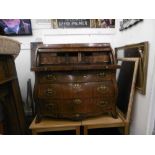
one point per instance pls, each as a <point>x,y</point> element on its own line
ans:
<point>126,86</point>
<point>139,50</point>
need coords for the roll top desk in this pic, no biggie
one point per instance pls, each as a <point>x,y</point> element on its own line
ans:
<point>74,81</point>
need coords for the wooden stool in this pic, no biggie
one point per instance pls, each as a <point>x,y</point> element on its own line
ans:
<point>55,125</point>
<point>103,122</point>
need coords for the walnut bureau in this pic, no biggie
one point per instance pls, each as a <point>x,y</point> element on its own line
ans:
<point>74,81</point>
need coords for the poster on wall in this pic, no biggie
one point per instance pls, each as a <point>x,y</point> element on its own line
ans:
<point>15,27</point>
<point>82,23</point>
<point>127,23</point>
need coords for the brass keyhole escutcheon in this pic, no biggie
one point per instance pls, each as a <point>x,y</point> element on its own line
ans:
<point>101,74</point>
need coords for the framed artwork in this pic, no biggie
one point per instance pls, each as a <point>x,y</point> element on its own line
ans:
<point>15,27</point>
<point>126,85</point>
<point>140,51</point>
<point>127,23</point>
<point>83,23</point>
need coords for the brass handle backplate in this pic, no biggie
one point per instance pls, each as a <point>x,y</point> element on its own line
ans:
<point>77,101</point>
<point>76,85</point>
<point>49,91</point>
<point>102,88</point>
<point>103,103</point>
<point>51,77</point>
<point>101,74</point>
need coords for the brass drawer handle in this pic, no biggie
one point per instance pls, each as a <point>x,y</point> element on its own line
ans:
<point>103,103</point>
<point>102,74</point>
<point>102,88</point>
<point>77,101</point>
<point>77,115</point>
<point>77,85</point>
<point>85,75</point>
<point>51,77</point>
<point>49,92</point>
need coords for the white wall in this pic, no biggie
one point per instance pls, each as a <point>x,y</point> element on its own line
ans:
<point>142,115</point>
<point>144,31</point>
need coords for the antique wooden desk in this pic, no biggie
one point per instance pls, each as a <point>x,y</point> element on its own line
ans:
<point>74,81</point>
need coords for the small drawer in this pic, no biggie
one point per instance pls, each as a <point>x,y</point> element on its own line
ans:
<point>64,91</point>
<point>94,76</point>
<point>53,77</point>
<point>95,106</point>
<point>50,91</point>
<point>89,76</point>
<point>51,59</point>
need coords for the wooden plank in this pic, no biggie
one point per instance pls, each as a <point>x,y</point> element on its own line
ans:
<point>54,123</point>
<point>78,130</point>
<point>75,50</point>
<point>103,121</point>
<point>85,130</point>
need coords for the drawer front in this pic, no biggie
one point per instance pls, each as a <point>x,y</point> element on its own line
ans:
<point>104,89</point>
<point>94,106</point>
<point>56,91</point>
<point>53,77</point>
<point>64,91</point>
<point>90,76</point>
<point>73,90</point>
<point>51,59</point>
<point>49,108</point>
<point>76,108</point>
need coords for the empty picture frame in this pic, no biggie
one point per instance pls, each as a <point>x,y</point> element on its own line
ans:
<point>140,51</point>
<point>126,81</point>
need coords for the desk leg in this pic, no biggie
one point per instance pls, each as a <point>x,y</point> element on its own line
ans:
<point>78,130</point>
<point>34,132</point>
<point>126,129</point>
<point>85,130</point>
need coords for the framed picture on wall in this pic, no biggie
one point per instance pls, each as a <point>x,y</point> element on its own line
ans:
<point>15,27</point>
<point>83,23</point>
<point>127,23</point>
<point>141,51</point>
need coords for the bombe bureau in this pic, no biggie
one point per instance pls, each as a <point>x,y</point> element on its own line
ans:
<point>74,81</point>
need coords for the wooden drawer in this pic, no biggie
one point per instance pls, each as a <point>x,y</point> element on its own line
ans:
<point>103,89</point>
<point>89,76</point>
<point>53,77</point>
<point>73,90</point>
<point>51,59</point>
<point>50,91</point>
<point>76,108</point>
<point>49,107</point>
<point>64,91</point>
<point>92,105</point>
<point>96,57</point>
